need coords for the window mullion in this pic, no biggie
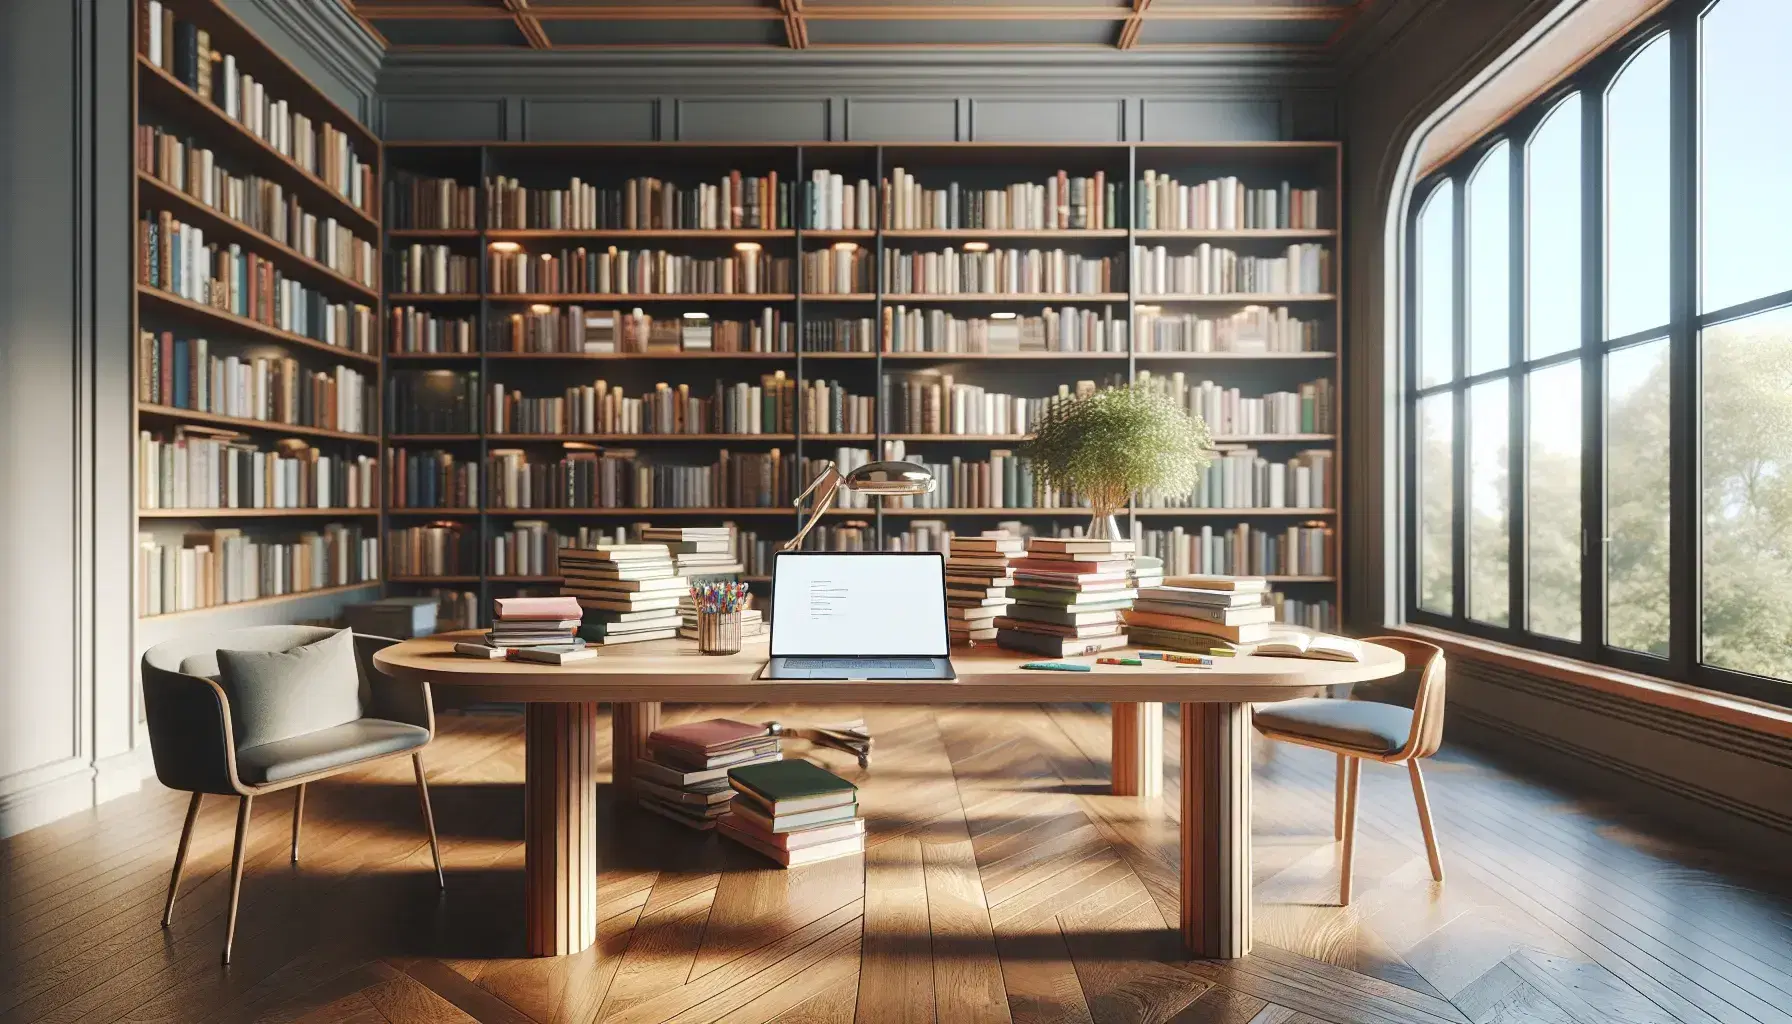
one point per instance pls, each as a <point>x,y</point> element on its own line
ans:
<point>1683,383</point>
<point>1518,296</point>
<point>1592,371</point>
<point>1459,406</point>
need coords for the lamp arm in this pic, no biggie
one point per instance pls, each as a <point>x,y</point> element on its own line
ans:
<point>830,476</point>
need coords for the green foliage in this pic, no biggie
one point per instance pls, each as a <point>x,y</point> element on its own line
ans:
<point>1109,444</point>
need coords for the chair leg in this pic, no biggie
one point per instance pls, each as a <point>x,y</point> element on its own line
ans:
<point>236,872</point>
<point>1424,802</point>
<point>429,818</point>
<point>180,857</point>
<point>298,819</point>
<point>1352,775</point>
<point>1338,803</point>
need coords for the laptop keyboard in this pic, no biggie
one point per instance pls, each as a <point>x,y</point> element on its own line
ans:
<point>846,663</point>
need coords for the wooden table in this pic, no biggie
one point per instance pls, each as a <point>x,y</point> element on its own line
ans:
<point>560,785</point>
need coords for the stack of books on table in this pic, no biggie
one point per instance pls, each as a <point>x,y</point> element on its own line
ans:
<point>1200,613</point>
<point>628,592</point>
<point>794,812</point>
<point>752,622</point>
<point>531,629</point>
<point>1147,571</point>
<point>684,776</point>
<point>1068,595</point>
<point>977,582</point>
<point>698,552</point>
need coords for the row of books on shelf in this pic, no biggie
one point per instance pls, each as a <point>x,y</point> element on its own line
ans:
<point>1242,478</point>
<point>188,52</point>
<point>1224,204</point>
<point>931,402</point>
<point>419,269</point>
<point>203,468</point>
<point>1063,202</point>
<point>533,548</point>
<point>1253,330</point>
<point>175,258</point>
<point>261,204</point>
<point>1304,268</point>
<point>1243,550</point>
<point>1228,412</point>
<point>749,270</point>
<point>411,330</point>
<point>619,478</point>
<point>845,268</point>
<point>732,202</point>
<point>1067,329</point>
<point>206,568</point>
<point>840,334</point>
<point>439,204</point>
<point>997,272</point>
<point>183,373</point>
<point>768,407</point>
<point>577,329</point>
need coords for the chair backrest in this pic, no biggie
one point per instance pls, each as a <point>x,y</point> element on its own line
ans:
<point>1420,687</point>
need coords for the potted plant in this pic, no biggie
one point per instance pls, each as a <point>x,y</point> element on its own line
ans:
<point>1109,444</point>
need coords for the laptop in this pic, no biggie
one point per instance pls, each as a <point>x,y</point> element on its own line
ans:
<point>859,615</point>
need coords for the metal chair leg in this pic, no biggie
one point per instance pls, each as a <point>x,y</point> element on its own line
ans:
<point>1424,802</point>
<point>180,857</point>
<point>236,872</point>
<point>298,819</point>
<point>1338,802</point>
<point>1352,775</point>
<point>429,818</point>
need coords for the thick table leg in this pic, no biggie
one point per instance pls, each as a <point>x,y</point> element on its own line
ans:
<point>1138,754</point>
<point>630,725</point>
<point>559,828</point>
<point>1216,830</point>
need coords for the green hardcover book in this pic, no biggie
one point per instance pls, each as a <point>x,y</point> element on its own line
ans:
<point>789,787</point>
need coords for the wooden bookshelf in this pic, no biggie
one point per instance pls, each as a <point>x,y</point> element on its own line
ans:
<point>161,99</point>
<point>975,166</point>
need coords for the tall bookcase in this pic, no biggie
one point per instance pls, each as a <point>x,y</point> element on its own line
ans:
<point>237,150</point>
<point>1309,165</point>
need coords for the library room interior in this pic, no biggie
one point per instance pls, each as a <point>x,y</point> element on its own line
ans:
<point>896,511</point>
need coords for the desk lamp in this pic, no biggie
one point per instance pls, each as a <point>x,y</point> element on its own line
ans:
<point>882,479</point>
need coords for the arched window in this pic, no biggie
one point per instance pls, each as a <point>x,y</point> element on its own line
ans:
<point>1599,392</point>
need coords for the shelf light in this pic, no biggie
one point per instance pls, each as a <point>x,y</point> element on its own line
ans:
<point>507,247</point>
<point>976,247</point>
<point>696,316</point>
<point>1003,316</point>
<point>541,307</point>
<point>579,446</point>
<point>747,246</point>
<point>1148,309</point>
<point>846,246</point>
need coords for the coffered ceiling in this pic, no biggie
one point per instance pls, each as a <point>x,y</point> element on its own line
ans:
<point>1162,25</point>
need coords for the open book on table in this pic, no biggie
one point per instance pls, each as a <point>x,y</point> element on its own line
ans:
<point>1317,646</point>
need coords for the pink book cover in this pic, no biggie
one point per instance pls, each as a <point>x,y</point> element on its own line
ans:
<point>708,735</point>
<point>512,608</point>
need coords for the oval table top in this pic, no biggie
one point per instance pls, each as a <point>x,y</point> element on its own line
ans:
<point>673,671</point>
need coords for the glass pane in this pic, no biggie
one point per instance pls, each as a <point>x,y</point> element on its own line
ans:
<point>1552,501</point>
<point>1636,497</point>
<point>1489,528</point>
<point>1746,153</point>
<point>1437,286</point>
<point>1490,261</point>
<point>1636,177</point>
<point>1437,503</point>
<point>1746,449</point>
<point>1552,232</point>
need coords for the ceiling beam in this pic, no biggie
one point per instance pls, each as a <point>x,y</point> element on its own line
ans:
<point>1129,32</point>
<point>796,30</point>
<point>528,25</point>
<point>1265,12</point>
<point>444,12</point>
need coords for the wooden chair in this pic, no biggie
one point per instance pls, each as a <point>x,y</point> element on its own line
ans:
<point>192,737</point>
<point>1396,721</point>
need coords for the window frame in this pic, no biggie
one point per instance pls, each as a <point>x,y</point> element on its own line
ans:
<point>1678,24</point>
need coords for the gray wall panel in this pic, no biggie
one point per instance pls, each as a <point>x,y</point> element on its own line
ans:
<point>902,120</point>
<point>449,119</point>
<point>1048,119</point>
<point>717,119</point>
<point>547,120</point>
<point>1223,120</point>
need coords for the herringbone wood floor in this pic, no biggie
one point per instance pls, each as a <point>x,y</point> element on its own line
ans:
<point>1001,884</point>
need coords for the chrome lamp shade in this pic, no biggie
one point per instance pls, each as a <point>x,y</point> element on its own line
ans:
<point>881,479</point>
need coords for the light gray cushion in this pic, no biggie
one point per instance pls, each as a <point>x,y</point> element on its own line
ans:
<point>1359,724</point>
<point>276,695</point>
<point>324,749</point>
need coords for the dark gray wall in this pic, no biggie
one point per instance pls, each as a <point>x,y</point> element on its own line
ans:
<point>869,97</point>
<point>329,47</point>
<point>1399,70</point>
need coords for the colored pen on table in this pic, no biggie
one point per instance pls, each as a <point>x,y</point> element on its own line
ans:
<point>1118,661</point>
<point>1055,666</point>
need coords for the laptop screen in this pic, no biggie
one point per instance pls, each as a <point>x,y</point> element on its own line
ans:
<point>860,604</point>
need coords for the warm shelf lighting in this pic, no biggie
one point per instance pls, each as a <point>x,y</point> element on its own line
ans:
<point>1003,316</point>
<point>507,247</point>
<point>1148,309</point>
<point>696,316</point>
<point>846,246</point>
<point>541,307</point>
<point>976,247</point>
<point>747,246</point>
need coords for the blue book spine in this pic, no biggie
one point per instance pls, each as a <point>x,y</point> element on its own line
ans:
<point>180,375</point>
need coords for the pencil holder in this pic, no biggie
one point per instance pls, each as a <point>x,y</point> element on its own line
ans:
<point>718,632</point>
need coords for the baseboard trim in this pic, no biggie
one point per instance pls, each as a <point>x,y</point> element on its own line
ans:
<point>121,774</point>
<point>38,796</point>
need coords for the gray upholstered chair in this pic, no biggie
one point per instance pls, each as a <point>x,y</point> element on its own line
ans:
<point>194,730</point>
<point>1394,721</point>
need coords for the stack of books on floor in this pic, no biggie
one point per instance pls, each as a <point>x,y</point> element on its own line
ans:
<point>684,776</point>
<point>698,552</point>
<point>977,582</point>
<point>1068,595</point>
<point>794,812</point>
<point>531,629</point>
<point>628,592</point>
<point>1200,613</point>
